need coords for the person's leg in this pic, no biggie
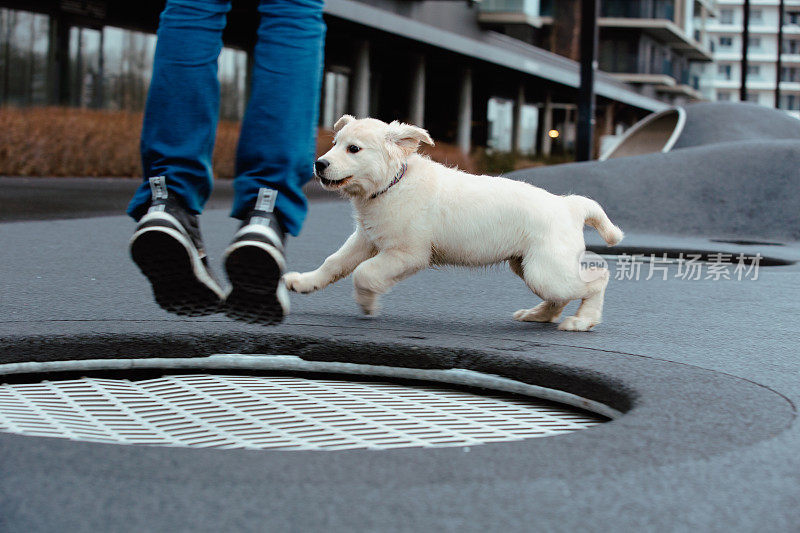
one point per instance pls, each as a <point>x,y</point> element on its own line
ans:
<point>180,119</point>
<point>177,141</point>
<point>277,142</point>
<point>275,156</point>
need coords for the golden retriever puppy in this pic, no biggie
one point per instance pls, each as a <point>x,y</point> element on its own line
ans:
<point>412,213</point>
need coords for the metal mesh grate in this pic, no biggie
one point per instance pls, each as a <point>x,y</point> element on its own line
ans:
<point>260,412</point>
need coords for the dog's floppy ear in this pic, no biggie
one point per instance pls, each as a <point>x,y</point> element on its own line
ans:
<point>407,137</point>
<point>342,122</point>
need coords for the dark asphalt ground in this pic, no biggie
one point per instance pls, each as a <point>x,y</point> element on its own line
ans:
<point>706,371</point>
<point>65,198</point>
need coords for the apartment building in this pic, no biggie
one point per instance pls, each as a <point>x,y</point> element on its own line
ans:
<point>721,81</point>
<point>650,44</point>
<point>442,65</point>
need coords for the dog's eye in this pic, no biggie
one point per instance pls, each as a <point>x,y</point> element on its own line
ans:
<point>353,148</point>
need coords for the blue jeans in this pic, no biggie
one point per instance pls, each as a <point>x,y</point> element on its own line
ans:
<point>277,141</point>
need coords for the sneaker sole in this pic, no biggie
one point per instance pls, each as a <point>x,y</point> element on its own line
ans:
<point>171,265</point>
<point>258,295</point>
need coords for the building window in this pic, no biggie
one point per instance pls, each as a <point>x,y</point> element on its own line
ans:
<point>756,16</point>
<point>232,83</point>
<point>790,102</point>
<point>754,71</point>
<point>107,68</point>
<point>24,78</point>
<point>793,17</point>
<point>726,16</point>
<point>724,71</point>
<point>500,115</point>
<point>754,43</point>
<point>618,55</point>
<point>723,97</point>
<point>791,47</point>
<point>664,9</point>
<point>725,42</point>
<point>790,74</point>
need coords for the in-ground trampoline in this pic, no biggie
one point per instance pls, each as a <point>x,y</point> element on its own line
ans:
<point>147,404</point>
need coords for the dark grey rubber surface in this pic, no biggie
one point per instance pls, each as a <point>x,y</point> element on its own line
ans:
<point>726,190</point>
<point>718,122</point>
<point>706,370</point>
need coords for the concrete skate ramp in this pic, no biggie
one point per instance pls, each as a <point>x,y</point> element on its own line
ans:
<point>654,133</point>
<point>703,124</point>
<point>734,189</point>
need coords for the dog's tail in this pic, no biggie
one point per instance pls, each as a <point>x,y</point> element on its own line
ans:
<point>592,214</point>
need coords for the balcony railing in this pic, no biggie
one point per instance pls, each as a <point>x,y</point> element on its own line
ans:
<point>642,9</point>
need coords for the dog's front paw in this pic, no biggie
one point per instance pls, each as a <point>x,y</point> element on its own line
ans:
<point>368,301</point>
<point>302,283</point>
<point>576,323</point>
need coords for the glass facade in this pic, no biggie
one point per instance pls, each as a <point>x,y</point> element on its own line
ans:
<point>335,90</point>
<point>24,46</point>
<point>529,7</point>
<point>500,115</point>
<point>109,68</point>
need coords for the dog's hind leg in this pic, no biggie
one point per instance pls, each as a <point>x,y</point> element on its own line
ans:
<point>547,311</point>
<point>590,312</point>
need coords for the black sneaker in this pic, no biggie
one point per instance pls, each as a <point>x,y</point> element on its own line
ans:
<point>168,249</point>
<point>255,263</point>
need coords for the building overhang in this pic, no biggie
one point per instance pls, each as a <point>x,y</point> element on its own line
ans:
<point>664,31</point>
<point>645,79</point>
<point>662,83</point>
<point>681,90</point>
<point>493,48</point>
<point>513,17</point>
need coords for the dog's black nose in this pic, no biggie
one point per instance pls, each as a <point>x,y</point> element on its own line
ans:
<point>320,165</point>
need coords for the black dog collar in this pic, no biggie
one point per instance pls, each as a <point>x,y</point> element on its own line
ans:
<point>394,182</point>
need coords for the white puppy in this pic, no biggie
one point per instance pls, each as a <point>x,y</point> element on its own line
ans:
<point>412,213</point>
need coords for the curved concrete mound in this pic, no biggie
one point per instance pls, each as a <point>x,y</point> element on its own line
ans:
<point>725,190</point>
<point>702,124</point>
<point>712,169</point>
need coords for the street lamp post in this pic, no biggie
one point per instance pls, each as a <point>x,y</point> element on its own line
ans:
<point>586,100</point>
<point>778,65</point>
<point>745,46</point>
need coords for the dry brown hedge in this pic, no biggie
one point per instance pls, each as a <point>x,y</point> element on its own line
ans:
<point>55,141</point>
